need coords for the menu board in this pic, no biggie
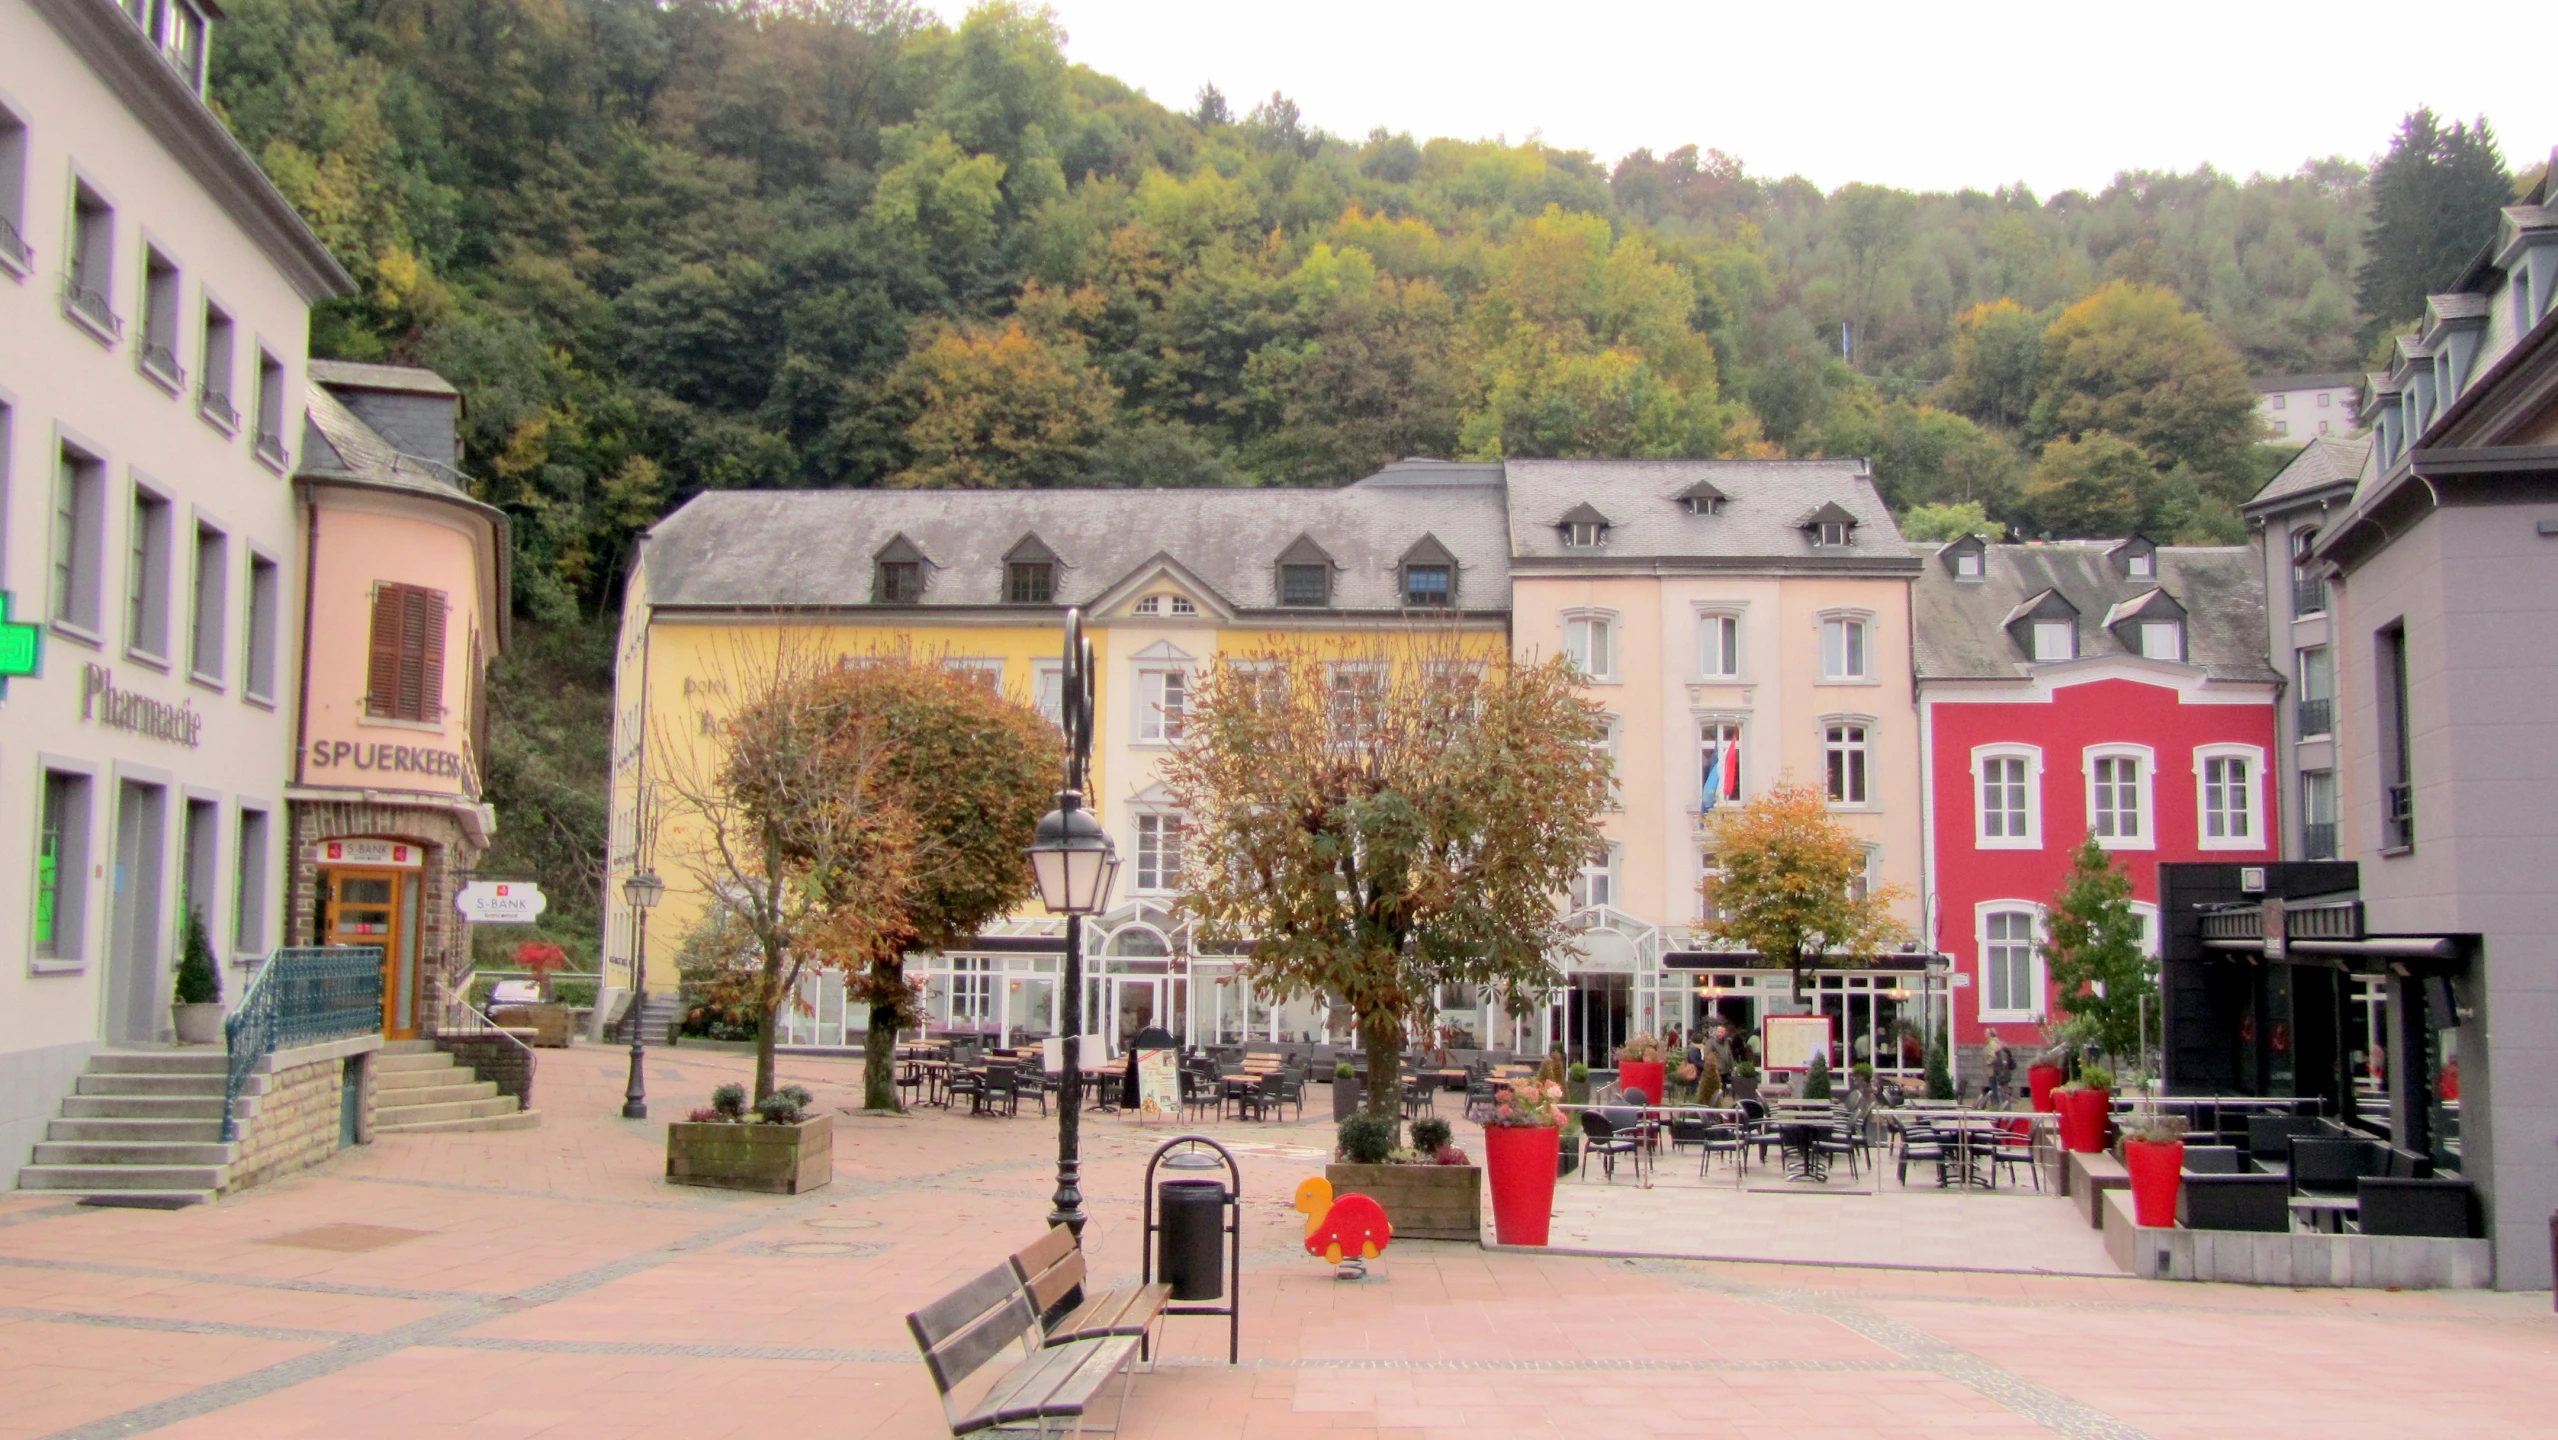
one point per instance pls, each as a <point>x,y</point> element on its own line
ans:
<point>1788,1042</point>
<point>1158,1085</point>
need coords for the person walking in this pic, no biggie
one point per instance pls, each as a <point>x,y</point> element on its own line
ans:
<point>2001,1065</point>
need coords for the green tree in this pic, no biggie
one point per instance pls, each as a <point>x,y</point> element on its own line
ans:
<point>2092,949</point>
<point>1387,820</point>
<point>2089,487</point>
<point>2435,199</point>
<point>2131,361</point>
<point>998,408</point>
<point>1947,522</point>
<point>1998,361</point>
<point>1792,885</point>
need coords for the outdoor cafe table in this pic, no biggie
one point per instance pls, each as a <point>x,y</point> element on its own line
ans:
<point>1964,1127</point>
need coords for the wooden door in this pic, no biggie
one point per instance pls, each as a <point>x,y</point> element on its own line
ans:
<point>366,907</point>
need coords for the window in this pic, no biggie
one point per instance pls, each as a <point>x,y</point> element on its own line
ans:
<point>1165,706</point>
<point>2163,639</point>
<point>1029,582</point>
<point>1845,749</point>
<point>2281,427</point>
<point>2118,798</point>
<point>2229,778</point>
<point>1048,690</point>
<point>986,672</point>
<point>2141,565</point>
<point>1180,605</point>
<point>2317,708</point>
<point>62,867</point>
<point>184,44</point>
<point>2324,397</point>
<point>2010,814</point>
<point>2010,980</point>
<point>79,541</point>
<point>159,358</point>
<point>92,275</point>
<point>1158,851</point>
<point>1590,641</point>
<point>1843,649</point>
<point>146,626</point>
<point>1429,585</point>
<point>1719,644</point>
<point>212,596</point>
<point>2279,401</point>
<point>271,411</point>
<point>248,898</point>
<point>1967,565</point>
<point>1718,761</point>
<point>257,677</point>
<point>2055,640</point>
<point>1832,532</point>
<point>1596,881</point>
<point>1710,879</point>
<point>2309,588</point>
<point>1305,584</point>
<point>213,388</point>
<point>405,673</point>
<point>1149,605</point>
<point>1585,534</point>
<point>1357,691</point>
<point>2318,815</point>
<point>2397,753</point>
<point>1609,745</point>
<point>900,582</point>
<point>14,254</point>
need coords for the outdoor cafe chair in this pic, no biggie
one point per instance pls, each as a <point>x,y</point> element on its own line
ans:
<point>964,1081</point>
<point>1599,1137</point>
<point>1026,1081</point>
<point>2005,1149</point>
<point>1923,1143</point>
<point>1835,1140</point>
<point>1291,1091</point>
<point>1256,1100</point>
<point>1418,1097</point>
<point>910,1078</point>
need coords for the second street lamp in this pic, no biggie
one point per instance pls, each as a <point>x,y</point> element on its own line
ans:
<point>643,890</point>
<point>1073,865</point>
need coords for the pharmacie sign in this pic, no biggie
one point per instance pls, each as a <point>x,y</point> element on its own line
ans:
<point>100,700</point>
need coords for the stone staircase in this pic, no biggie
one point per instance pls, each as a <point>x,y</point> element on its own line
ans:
<point>657,1019</point>
<point>418,1089</point>
<point>140,1128</point>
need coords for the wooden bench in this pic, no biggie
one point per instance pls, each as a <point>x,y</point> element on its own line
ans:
<point>1045,1393</point>
<point>1051,1270</point>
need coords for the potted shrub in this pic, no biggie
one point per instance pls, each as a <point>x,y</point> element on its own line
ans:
<point>1576,1087</point>
<point>2154,1153</point>
<point>1346,1090</point>
<point>776,1146</point>
<point>1816,1081</point>
<point>1429,1192</point>
<point>196,1008</point>
<point>2083,1107</point>
<point>1522,1146</point>
<point>1745,1081</point>
<point>1643,1064</point>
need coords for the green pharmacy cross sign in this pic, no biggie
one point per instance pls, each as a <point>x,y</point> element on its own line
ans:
<point>21,647</point>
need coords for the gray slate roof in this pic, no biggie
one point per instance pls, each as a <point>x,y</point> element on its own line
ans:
<point>1762,515</point>
<point>1961,624</point>
<point>815,547</point>
<point>2321,380</point>
<point>2325,461</point>
<point>338,445</point>
<point>407,379</point>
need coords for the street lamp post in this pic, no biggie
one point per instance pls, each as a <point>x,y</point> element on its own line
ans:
<point>643,890</point>
<point>1074,865</point>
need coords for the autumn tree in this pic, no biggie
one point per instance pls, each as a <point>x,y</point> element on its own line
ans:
<point>2090,486</point>
<point>1790,883</point>
<point>2131,361</point>
<point>999,408</point>
<point>1998,361</point>
<point>1382,820</point>
<point>2435,199</point>
<point>2092,949</point>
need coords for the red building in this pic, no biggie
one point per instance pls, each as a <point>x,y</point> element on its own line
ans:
<point>2118,688</point>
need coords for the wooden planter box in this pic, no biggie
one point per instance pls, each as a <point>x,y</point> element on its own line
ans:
<point>549,1024</point>
<point>781,1159</point>
<point>1422,1202</point>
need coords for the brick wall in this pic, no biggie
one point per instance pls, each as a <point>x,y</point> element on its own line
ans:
<point>495,1058</point>
<point>294,1124</point>
<point>444,938</point>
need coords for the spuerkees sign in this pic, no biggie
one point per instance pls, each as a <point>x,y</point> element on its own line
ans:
<point>101,701</point>
<point>384,756</point>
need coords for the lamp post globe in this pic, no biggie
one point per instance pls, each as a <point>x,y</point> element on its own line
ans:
<point>643,890</point>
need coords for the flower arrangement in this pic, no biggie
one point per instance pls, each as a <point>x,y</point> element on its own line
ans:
<point>2155,1128</point>
<point>1527,1104</point>
<point>1432,1144</point>
<point>542,960</point>
<point>1642,1048</point>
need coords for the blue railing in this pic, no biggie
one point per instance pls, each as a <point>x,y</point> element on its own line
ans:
<point>299,997</point>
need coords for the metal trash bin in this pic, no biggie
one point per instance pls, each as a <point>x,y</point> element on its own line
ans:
<point>1189,1243</point>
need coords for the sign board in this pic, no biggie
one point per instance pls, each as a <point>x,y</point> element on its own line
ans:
<point>379,854</point>
<point>1788,1042</point>
<point>1962,979</point>
<point>21,646</point>
<point>1158,1085</point>
<point>501,902</point>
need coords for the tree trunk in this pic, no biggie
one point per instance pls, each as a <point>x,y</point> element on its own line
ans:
<point>773,999</point>
<point>879,1046</point>
<point>1382,1036</point>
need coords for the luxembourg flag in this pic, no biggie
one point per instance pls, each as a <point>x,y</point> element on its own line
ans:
<point>1726,761</point>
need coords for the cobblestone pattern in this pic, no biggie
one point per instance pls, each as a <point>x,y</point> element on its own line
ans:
<point>444,940</point>
<point>296,1124</point>
<point>494,1058</point>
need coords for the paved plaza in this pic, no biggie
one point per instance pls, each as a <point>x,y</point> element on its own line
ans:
<point>546,1283</point>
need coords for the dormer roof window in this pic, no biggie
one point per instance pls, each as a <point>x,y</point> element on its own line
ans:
<point>2045,627</point>
<point>1701,498</point>
<point>2150,625</point>
<point>898,573</point>
<point>1030,573</point>
<point>2136,558</point>
<point>1305,573</point>
<point>1428,575</point>
<point>1584,528</point>
<point>1830,526</point>
<point>1965,559</point>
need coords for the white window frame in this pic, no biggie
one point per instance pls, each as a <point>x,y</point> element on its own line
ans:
<point>2032,758</point>
<point>1367,678</point>
<point>2143,566</point>
<point>2065,631</point>
<point>1608,871</point>
<point>1862,746</point>
<point>1612,744</point>
<point>1710,625</point>
<point>1602,623</point>
<point>1147,605</point>
<point>1159,723</point>
<point>2175,628</point>
<point>2147,914</point>
<point>2255,838</point>
<point>2038,981</point>
<point>1740,739</point>
<point>1048,690</point>
<point>1160,823</point>
<point>2148,793</point>
<point>986,670</point>
<point>1863,620</point>
<point>1967,565</point>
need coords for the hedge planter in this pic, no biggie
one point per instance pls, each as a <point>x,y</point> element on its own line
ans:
<point>1346,1098</point>
<point>780,1159</point>
<point>1520,1162</point>
<point>197,1024</point>
<point>2083,1114</point>
<point>1422,1202</point>
<point>1648,1076</point>
<point>2157,1169</point>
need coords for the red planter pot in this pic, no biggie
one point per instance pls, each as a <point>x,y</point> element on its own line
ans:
<point>2083,1118</point>
<point>2157,1169</point>
<point>1647,1076</point>
<point>2040,1079</point>
<point>1519,1162</point>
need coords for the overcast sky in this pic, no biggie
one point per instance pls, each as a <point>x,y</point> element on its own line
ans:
<point>1938,96</point>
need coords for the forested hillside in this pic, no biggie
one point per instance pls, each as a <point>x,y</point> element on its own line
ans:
<point>670,245</point>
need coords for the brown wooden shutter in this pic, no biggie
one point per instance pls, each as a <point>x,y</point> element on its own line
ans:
<point>382,666</point>
<point>430,704</point>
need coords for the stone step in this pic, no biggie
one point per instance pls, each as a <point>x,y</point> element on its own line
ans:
<point>207,1060</point>
<point>133,1152</point>
<point>150,1085</point>
<point>418,1077</point>
<point>102,1178</point>
<point>495,1120</point>
<point>408,1047</point>
<point>142,1107</point>
<point>406,1117</point>
<point>387,1063</point>
<point>148,1199</point>
<point>419,1095</point>
<point>137,1131</point>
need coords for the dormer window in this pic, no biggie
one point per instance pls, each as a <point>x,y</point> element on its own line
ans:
<point>1831,532</point>
<point>1151,605</point>
<point>2141,567</point>
<point>2137,558</point>
<point>1180,605</point>
<point>897,576</point>
<point>1584,528</point>
<point>2045,628</point>
<point>2055,640</point>
<point>1967,566</point>
<point>1965,558</point>
<point>1030,572</point>
<point>1305,584</point>
<point>1830,526</point>
<point>1701,498</point>
<point>2151,625</point>
<point>1428,575</point>
<point>2163,640</point>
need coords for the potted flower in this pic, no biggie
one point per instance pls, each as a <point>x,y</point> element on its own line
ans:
<point>196,1008</point>
<point>2083,1108</point>
<point>1430,1192</point>
<point>1522,1146</point>
<point>776,1146</point>
<point>1346,1091</point>
<point>547,1021</point>
<point>2154,1153</point>
<point>1745,1081</point>
<point>1643,1064</point>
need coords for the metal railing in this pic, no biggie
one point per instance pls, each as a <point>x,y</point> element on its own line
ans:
<point>301,996</point>
<point>160,360</point>
<point>13,246</point>
<point>2317,716</point>
<point>2318,840</point>
<point>2309,595</point>
<point>462,1020</point>
<point>271,447</point>
<point>215,405</point>
<point>90,306</point>
<point>2398,815</point>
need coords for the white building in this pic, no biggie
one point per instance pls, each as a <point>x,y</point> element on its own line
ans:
<point>2297,409</point>
<point>155,291</point>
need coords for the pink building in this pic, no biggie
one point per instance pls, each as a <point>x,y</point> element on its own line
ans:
<point>2113,688</point>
